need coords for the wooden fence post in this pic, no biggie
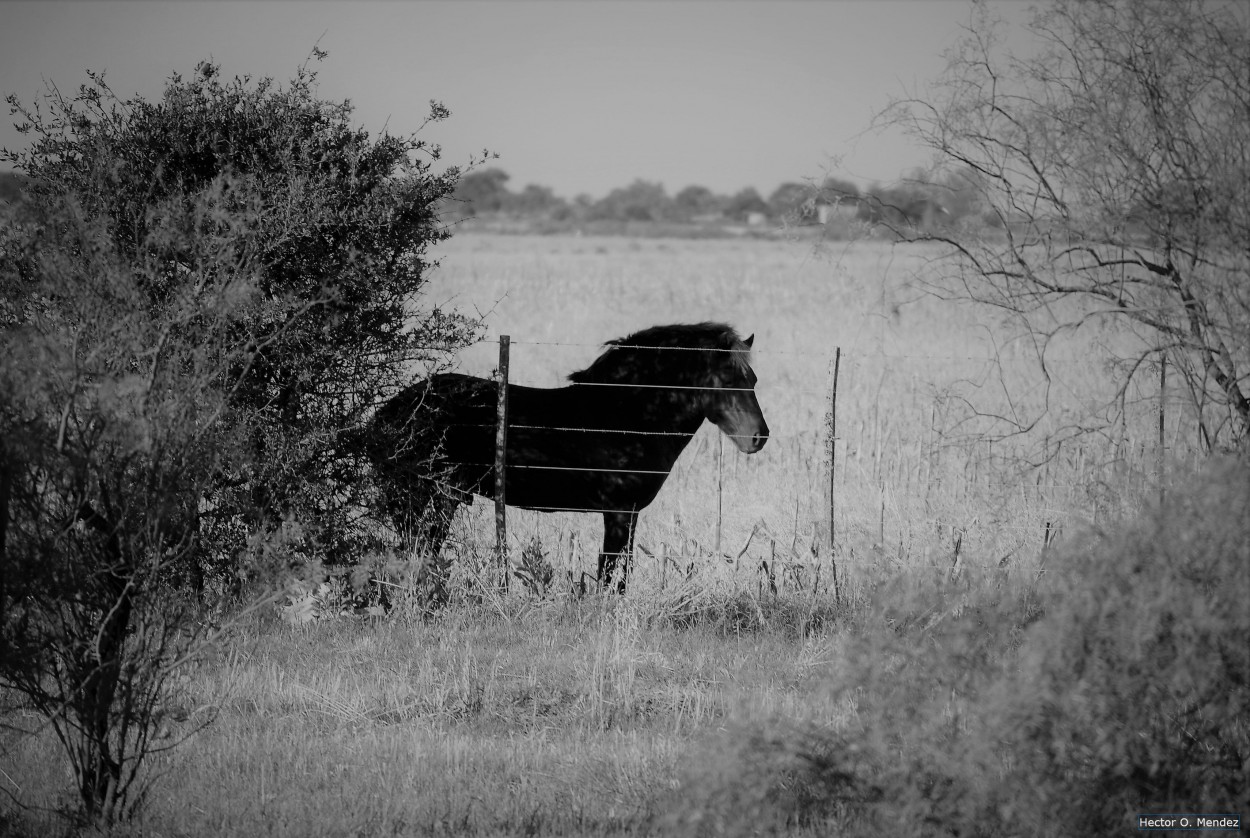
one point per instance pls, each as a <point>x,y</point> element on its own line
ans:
<point>501,447</point>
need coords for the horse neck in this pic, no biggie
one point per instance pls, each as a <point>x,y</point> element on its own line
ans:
<point>648,408</point>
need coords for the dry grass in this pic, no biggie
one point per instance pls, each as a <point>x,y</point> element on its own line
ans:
<point>916,475</point>
<point>1114,687</point>
<point>552,718</point>
<point>514,715</point>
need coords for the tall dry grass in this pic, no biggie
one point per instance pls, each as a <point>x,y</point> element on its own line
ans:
<point>730,692</point>
<point>926,471</point>
<point>543,718</point>
<point>1116,686</point>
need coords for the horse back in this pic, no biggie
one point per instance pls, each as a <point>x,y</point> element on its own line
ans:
<point>568,447</point>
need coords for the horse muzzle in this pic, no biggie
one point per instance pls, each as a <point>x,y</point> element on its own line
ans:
<point>745,425</point>
<point>751,444</point>
<point>746,440</point>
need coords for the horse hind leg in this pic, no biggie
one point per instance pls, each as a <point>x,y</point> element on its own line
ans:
<point>423,526</point>
<point>618,544</point>
<point>437,524</point>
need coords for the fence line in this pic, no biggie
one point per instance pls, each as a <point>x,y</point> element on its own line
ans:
<point>576,430</point>
<point>578,509</point>
<point>916,523</point>
<point>664,386</point>
<point>501,465</point>
<point>846,353</point>
<point>582,468</point>
<point>995,359</point>
<point>560,428</point>
<point>599,430</point>
<point>614,345</point>
<point>913,524</point>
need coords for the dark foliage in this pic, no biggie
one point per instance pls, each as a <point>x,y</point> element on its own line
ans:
<point>332,227</point>
<point>202,297</point>
<point>1116,685</point>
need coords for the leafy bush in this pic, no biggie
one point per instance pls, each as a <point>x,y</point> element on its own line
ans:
<point>331,229</point>
<point>1118,685</point>
<point>1134,693</point>
<point>110,432</point>
<point>200,300</point>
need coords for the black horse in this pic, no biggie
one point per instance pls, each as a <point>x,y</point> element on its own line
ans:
<point>604,443</point>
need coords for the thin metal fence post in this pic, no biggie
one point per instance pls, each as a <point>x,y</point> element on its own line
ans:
<point>720,479</point>
<point>833,469</point>
<point>1163,386</point>
<point>501,447</point>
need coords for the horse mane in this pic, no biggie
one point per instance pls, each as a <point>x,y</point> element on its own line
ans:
<point>632,357</point>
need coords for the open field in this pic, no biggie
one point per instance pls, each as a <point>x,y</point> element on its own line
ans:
<point>914,472</point>
<point>512,715</point>
<point>572,718</point>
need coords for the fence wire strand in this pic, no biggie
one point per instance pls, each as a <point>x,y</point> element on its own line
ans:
<point>912,524</point>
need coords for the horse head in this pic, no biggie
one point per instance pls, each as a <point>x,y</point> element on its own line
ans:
<point>708,367</point>
<point>731,403</point>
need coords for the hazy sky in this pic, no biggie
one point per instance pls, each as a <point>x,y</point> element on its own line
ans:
<point>578,96</point>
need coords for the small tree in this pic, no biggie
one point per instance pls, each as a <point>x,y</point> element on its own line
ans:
<point>697,200</point>
<point>111,416</point>
<point>207,295</point>
<point>838,191</point>
<point>1112,168</point>
<point>794,202</point>
<point>640,201</point>
<point>337,239</point>
<point>745,202</point>
<point>536,201</point>
<point>483,192</point>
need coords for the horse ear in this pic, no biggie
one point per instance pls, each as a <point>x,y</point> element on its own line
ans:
<point>750,340</point>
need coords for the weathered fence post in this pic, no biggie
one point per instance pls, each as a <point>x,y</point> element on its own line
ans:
<point>501,447</point>
<point>833,469</point>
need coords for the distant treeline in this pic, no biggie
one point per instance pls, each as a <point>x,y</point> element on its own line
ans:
<point>834,203</point>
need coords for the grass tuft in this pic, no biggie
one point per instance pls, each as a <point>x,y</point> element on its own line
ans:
<point>1117,684</point>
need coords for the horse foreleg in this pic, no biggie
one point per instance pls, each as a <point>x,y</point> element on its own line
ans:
<point>618,542</point>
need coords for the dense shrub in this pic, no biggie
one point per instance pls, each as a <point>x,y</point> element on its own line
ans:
<point>200,301</point>
<point>1117,685</point>
<point>272,186</point>
<point>1134,693</point>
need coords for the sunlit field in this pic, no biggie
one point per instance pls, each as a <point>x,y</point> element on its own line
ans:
<point>507,713</point>
<point>915,473</point>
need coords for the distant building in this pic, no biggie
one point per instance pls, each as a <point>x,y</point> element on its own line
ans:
<point>842,210</point>
<point>925,214</point>
<point>902,212</point>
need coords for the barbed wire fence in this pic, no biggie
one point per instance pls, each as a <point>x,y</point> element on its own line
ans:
<point>871,472</point>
